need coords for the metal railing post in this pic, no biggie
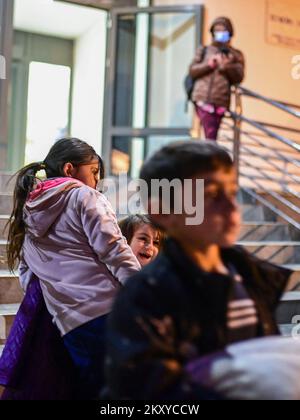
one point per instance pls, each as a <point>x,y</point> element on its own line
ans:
<point>279,192</point>
<point>237,130</point>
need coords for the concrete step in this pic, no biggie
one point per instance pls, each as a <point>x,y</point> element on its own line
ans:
<point>10,289</point>
<point>6,204</point>
<point>7,316</point>
<point>3,223</point>
<point>7,183</point>
<point>266,231</point>
<point>277,252</point>
<point>3,258</point>
<point>256,213</point>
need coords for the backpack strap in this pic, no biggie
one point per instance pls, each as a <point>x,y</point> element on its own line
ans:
<point>204,51</point>
<point>203,55</point>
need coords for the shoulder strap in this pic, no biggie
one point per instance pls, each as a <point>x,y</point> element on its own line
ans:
<point>204,51</point>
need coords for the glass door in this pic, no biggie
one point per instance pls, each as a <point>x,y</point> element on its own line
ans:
<point>40,96</point>
<point>149,53</point>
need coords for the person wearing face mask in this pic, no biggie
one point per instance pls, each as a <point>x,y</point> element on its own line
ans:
<point>214,70</point>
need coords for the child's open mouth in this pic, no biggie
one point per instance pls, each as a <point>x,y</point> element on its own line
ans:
<point>146,257</point>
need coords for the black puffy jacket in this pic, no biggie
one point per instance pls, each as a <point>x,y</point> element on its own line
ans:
<point>172,312</point>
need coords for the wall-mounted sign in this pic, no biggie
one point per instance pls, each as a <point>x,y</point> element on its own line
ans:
<point>283,23</point>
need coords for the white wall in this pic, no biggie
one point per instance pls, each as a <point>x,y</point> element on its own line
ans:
<point>88,84</point>
<point>169,66</point>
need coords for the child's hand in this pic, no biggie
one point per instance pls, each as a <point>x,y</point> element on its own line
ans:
<point>215,61</point>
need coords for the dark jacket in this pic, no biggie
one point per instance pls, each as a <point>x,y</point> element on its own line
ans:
<point>214,86</point>
<point>172,313</point>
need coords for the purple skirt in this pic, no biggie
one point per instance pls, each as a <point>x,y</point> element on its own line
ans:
<point>35,364</point>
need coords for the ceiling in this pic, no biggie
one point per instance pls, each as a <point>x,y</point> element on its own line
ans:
<point>54,18</point>
<point>104,4</point>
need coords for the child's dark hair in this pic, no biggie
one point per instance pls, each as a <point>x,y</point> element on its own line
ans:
<point>130,225</point>
<point>185,159</point>
<point>67,150</point>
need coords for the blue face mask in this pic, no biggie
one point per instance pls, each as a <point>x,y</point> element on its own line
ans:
<point>222,36</point>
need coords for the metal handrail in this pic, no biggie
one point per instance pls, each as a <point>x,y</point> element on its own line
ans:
<point>294,178</point>
<point>261,143</point>
<point>228,116</point>
<point>238,118</point>
<point>274,194</point>
<point>269,178</point>
<point>286,159</point>
<point>277,197</point>
<point>276,126</point>
<point>272,102</point>
<point>279,127</point>
<point>289,104</point>
<point>291,206</point>
<point>270,133</point>
<point>259,133</point>
<point>270,206</point>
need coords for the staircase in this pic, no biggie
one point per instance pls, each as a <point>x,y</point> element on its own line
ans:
<point>268,162</point>
<point>268,237</point>
<point>267,158</point>
<point>11,293</point>
<point>263,233</point>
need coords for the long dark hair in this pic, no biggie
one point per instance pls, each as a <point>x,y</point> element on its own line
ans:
<point>63,151</point>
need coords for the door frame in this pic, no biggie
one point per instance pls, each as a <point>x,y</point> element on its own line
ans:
<point>29,47</point>
<point>6,42</point>
<point>109,129</point>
